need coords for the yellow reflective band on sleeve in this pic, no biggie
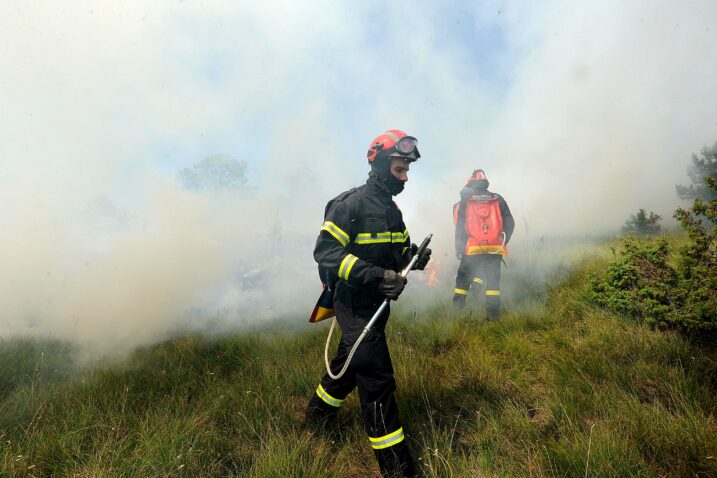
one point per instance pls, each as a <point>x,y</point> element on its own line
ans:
<point>387,440</point>
<point>366,238</point>
<point>346,265</point>
<point>334,402</point>
<point>399,236</point>
<point>478,280</point>
<point>460,291</point>
<point>403,251</point>
<point>492,292</point>
<point>336,231</point>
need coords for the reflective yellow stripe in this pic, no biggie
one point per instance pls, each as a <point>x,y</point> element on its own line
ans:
<point>460,291</point>
<point>336,231</point>
<point>387,440</point>
<point>351,264</point>
<point>478,280</point>
<point>399,236</point>
<point>486,250</point>
<point>403,251</point>
<point>381,237</point>
<point>366,238</point>
<point>492,292</point>
<point>346,265</point>
<point>334,402</point>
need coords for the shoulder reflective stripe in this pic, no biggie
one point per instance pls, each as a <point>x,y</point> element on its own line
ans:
<point>366,238</point>
<point>460,291</point>
<point>334,402</point>
<point>346,265</point>
<point>336,231</point>
<point>478,280</point>
<point>492,292</point>
<point>387,440</point>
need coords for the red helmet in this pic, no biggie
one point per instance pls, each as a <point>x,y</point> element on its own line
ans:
<point>477,175</point>
<point>394,143</point>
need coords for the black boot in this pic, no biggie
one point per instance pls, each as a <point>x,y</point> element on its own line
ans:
<point>492,308</point>
<point>321,418</point>
<point>459,301</point>
<point>396,461</point>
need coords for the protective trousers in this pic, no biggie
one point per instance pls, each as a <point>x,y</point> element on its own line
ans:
<point>372,373</point>
<point>481,270</point>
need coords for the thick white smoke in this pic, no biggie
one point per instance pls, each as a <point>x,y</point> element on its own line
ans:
<point>583,114</point>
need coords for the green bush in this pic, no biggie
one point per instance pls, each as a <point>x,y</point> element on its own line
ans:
<point>644,284</point>
<point>641,283</point>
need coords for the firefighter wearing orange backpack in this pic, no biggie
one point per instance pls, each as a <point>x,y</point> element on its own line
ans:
<point>484,226</point>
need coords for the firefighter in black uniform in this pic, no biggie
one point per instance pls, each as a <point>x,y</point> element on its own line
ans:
<point>363,245</point>
<point>480,261</point>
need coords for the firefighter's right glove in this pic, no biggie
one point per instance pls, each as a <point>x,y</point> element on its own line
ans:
<point>392,284</point>
<point>423,260</point>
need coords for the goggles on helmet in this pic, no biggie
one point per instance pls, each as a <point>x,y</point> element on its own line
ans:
<point>406,146</point>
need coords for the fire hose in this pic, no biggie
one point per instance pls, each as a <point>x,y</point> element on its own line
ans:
<point>375,317</point>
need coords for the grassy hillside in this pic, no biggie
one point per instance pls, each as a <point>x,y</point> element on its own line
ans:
<point>569,390</point>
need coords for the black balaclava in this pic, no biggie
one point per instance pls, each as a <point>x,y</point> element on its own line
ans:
<point>381,169</point>
<point>480,184</point>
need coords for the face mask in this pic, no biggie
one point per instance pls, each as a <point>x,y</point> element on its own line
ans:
<point>381,168</point>
<point>394,184</point>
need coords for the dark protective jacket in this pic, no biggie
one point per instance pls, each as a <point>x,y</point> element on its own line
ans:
<point>363,234</point>
<point>468,191</point>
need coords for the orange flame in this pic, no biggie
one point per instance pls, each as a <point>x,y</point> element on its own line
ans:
<point>433,279</point>
<point>433,268</point>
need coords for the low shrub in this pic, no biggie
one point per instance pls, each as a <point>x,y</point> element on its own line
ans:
<point>668,287</point>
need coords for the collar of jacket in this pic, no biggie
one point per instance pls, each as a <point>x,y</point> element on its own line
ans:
<point>377,185</point>
<point>469,191</point>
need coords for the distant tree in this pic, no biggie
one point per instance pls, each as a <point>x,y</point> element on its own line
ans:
<point>215,173</point>
<point>642,223</point>
<point>701,167</point>
<point>102,211</point>
<point>698,260</point>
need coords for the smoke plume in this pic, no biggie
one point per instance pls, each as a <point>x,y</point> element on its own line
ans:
<point>579,114</point>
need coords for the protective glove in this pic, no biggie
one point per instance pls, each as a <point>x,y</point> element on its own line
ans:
<point>392,284</point>
<point>423,260</point>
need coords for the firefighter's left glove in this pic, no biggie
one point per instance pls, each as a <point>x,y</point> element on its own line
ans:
<point>392,284</point>
<point>423,260</point>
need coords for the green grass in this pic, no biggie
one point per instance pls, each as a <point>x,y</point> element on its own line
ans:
<point>562,390</point>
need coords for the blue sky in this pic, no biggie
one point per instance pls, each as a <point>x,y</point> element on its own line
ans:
<point>478,49</point>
